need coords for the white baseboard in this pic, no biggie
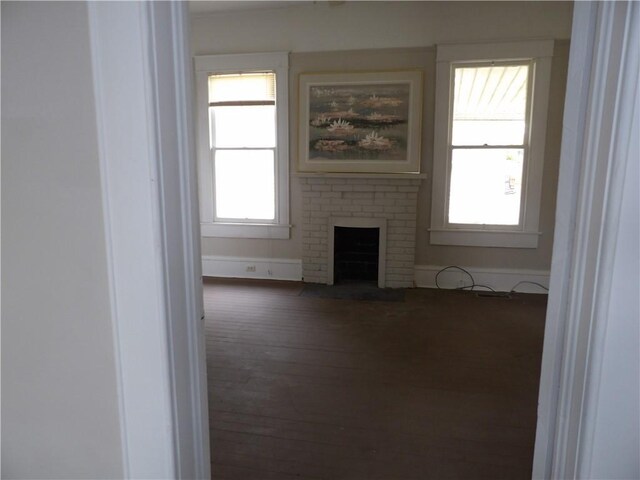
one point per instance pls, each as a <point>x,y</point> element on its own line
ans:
<point>501,280</point>
<point>245,267</point>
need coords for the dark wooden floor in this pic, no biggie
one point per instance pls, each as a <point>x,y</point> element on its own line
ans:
<point>442,385</point>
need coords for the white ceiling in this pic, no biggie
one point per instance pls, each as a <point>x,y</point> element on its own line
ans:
<point>219,6</point>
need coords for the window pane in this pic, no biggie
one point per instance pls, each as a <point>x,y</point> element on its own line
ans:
<point>242,86</point>
<point>247,126</point>
<point>489,106</point>
<point>245,184</point>
<point>485,186</point>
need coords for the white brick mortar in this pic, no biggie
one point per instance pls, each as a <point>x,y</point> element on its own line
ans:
<point>389,198</point>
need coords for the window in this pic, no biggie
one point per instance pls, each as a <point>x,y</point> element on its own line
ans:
<point>243,145</point>
<point>491,113</point>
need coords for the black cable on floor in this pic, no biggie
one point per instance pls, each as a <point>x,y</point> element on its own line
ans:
<point>513,289</point>
<point>474,284</point>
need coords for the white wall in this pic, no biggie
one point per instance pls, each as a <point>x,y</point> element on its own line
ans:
<point>60,415</point>
<point>321,28</point>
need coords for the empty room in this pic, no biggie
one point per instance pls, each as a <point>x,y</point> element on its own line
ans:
<point>377,187</point>
<point>320,240</point>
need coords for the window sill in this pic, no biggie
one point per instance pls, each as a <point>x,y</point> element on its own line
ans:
<point>484,238</point>
<point>245,230</point>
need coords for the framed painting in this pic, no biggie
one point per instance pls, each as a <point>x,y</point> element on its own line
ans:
<point>360,122</point>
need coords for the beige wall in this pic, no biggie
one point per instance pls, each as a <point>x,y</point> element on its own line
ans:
<point>60,416</point>
<point>394,35</point>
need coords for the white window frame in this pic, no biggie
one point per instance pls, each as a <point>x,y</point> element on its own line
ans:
<point>526,234</point>
<point>206,65</point>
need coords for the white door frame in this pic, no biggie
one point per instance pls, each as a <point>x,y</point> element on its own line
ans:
<point>143,103</point>
<point>142,83</point>
<point>599,109</point>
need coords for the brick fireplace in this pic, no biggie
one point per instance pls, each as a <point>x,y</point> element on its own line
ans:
<point>388,202</point>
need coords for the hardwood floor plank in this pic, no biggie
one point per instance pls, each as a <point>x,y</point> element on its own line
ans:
<point>442,385</point>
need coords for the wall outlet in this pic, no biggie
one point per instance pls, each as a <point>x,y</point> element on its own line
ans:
<point>270,273</point>
<point>460,283</point>
<point>251,268</point>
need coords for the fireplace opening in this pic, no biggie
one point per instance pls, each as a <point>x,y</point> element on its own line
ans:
<point>355,255</point>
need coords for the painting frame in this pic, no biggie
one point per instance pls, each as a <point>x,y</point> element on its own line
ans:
<point>360,122</point>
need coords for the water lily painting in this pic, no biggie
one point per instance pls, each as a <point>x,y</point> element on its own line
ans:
<point>360,122</point>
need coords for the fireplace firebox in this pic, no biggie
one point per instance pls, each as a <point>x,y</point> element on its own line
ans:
<point>356,250</point>
<point>356,255</point>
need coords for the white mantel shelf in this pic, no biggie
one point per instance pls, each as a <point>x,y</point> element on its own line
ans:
<point>404,176</point>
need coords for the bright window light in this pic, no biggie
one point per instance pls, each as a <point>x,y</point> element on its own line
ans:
<point>242,87</point>
<point>242,120</point>
<point>243,126</point>
<point>244,182</point>
<point>486,186</point>
<point>488,129</point>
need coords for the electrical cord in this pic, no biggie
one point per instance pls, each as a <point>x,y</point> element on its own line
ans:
<point>471,287</point>
<point>474,284</point>
<point>448,268</point>
<point>513,289</point>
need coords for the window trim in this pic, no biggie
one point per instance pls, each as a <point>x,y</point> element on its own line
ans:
<point>206,65</point>
<point>526,234</point>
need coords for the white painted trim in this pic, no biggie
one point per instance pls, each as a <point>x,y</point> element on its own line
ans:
<point>592,166</point>
<point>129,182</point>
<point>622,151</point>
<point>540,53</point>
<point>479,238</point>
<point>359,222</point>
<point>245,230</point>
<point>219,64</point>
<point>147,168</point>
<point>265,268</point>
<point>573,138</point>
<point>383,176</point>
<point>205,169</point>
<point>175,146</point>
<point>500,279</point>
